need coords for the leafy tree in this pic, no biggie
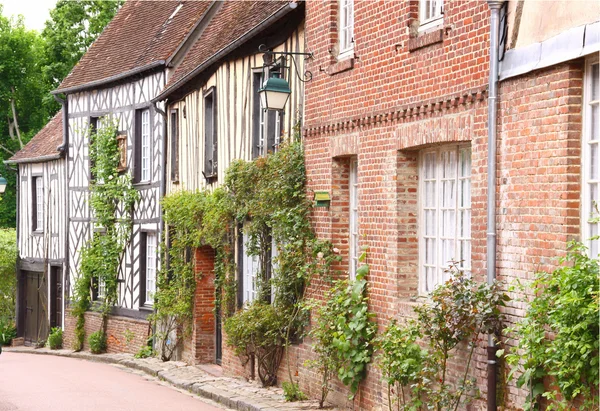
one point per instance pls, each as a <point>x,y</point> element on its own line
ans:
<point>31,65</point>
<point>71,30</point>
<point>21,93</point>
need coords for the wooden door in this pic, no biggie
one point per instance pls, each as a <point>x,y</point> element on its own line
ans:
<point>56,297</point>
<point>36,301</point>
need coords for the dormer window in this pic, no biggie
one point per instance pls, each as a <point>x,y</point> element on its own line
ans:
<point>431,13</point>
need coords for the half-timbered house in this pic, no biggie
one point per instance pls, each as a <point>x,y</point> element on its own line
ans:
<point>215,116</point>
<point>118,77</point>
<point>41,232</point>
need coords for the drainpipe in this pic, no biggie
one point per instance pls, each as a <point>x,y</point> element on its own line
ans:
<point>495,6</point>
<point>63,149</point>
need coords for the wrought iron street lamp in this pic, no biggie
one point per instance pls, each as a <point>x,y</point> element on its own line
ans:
<point>275,91</point>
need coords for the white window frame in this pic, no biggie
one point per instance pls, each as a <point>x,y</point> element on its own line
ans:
<point>39,203</point>
<point>590,185</point>
<point>101,291</point>
<point>353,218</point>
<point>431,14</point>
<point>438,240</point>
<point>145,155</point>
<point>346,28</point>
<point>250,270</point>
<point>151,253</point>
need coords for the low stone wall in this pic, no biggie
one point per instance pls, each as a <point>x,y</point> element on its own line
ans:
<point>124,335</point>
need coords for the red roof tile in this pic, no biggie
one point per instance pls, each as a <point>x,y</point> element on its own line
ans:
<point>233,20</point>
<point>142,33</point>
<point>44,143</point>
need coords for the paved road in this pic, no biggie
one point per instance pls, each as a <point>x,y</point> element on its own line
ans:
<point>40,382</point>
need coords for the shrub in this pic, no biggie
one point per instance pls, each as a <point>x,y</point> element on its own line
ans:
<point>55,339</point>
<point>97,341</point>
<point>8,278</point>
<point>292,392</point>
<point>343,333</point>
<point>144,352</point>
<point>565,307</point>
<point>259,332</point>
<point>7,332</point>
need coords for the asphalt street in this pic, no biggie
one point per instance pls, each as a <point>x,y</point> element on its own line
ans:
<point>39,382</point>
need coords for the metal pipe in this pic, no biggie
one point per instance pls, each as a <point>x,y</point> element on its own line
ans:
<point>495,6</point>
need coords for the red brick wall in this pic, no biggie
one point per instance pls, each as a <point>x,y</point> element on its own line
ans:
<point>393,102</point>
<point>200,348</point>
<point>123,334</point>
<point>538,175</point>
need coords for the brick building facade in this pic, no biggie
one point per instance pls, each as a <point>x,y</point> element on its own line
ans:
<point>393,125</point>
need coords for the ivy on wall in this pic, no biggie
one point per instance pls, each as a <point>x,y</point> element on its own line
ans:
<point>112,197</point>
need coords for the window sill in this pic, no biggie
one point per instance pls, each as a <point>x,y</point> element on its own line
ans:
<point>341,66</point>
<point>425,39</point>
<point>37,232</point>
<point>142,184</point>
<point>146,307</point>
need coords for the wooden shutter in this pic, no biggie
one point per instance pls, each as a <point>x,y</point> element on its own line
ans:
<point>34,204</point>
<point>174,145</point>
<point>137,147</point>
<point>271,131</point>
<point>142,276</point>
<point>256,84</point>
<point>210,133</point>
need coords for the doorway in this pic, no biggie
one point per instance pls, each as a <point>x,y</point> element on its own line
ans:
<point>36,303</point>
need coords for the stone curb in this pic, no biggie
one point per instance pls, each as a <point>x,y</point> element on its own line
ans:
<point>229,392</point>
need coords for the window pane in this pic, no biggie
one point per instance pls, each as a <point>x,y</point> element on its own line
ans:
<point>595,126</point>
<point>595,82</point>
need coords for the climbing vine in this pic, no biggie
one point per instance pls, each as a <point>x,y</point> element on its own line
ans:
<point>266,201</point>
<point>343,333</point>
<point>112,197</point>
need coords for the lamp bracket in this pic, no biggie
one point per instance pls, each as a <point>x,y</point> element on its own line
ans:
<point>269,56</point>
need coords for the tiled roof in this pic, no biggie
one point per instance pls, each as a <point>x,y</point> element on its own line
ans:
<point>233,20</point>
<point>44,143</point>
<point>142,33</point>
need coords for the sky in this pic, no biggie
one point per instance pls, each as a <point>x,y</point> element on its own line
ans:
<point>36,12</point>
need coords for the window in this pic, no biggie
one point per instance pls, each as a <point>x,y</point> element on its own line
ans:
<point>346,28</point>
<point>142,171</point>
<point>590,189</point>
<point>37,206</point>
<point>210,134</point>
<point>101,292</point>
<point>148,267</point>
<point>445,213</point>
<point>267,124</point>
<point>431,13</point>
<point>353,226</point>
<point>250,270</point>
<point>174,145</point>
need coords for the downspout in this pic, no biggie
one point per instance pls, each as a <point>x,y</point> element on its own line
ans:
<point>63,149</point>
<point>492,370</point>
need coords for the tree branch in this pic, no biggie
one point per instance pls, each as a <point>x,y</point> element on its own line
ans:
<point>7,150</point>
<point>15,123</point>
